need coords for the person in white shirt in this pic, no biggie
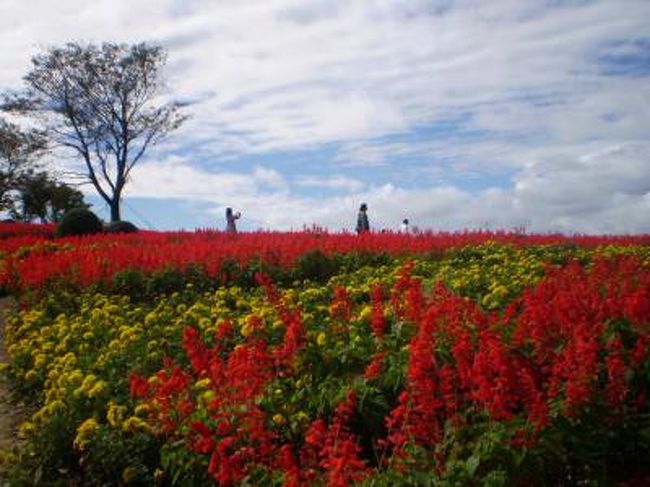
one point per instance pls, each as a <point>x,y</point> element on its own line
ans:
<point>404,227</point>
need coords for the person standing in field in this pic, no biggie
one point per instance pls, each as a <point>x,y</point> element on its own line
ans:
<point>404,227</point>
<point>362,219</point>
<point>231,227</point>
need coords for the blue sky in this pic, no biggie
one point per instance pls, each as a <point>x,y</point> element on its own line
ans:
<point>456,114</point>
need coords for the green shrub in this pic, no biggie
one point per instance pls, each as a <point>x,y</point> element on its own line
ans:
<point>315,266</point>
<point>79,221</point>
<point>121,227</point>
<point>165,281</point>
<point>130,282</point>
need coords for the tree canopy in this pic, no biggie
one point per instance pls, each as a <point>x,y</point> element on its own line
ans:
<point>43,198</point>
<point>105,103</point>
<point>19,150</point>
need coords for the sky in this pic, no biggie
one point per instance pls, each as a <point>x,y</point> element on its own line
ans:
<point>456,114</point>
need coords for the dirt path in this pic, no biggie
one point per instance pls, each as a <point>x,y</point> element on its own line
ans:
<point>11,414</point>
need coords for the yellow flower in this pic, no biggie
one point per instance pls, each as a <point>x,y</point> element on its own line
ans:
<point>128,334</point>
<point>142,409</point>
<point>302,417</point>
<point>69,359</point>
<point>40,360</point>
<point>31,376</point>
<point>150,318</point>
<point>134,424</point>
<point>55,406</point>
<point>203,383</point>
<point>129,474</point>
<point>207,397</point>
<point>112,309</point>
<point>365,313</point>
<point>321,339</point>
<point>75,377</point>
<point>85,432</point>
<point>8,458</point>
<point>115,414</point>
<point>39,416</point>
<point>26,429</point>
<point>278,419</point>
<point>88,382</point>
<point>247,329</point>
<point>97,389</point>
<point>158,475</point>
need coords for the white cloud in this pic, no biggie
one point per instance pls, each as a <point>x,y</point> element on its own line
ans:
<point>603,192</point>
<point>335,182</point>
<point>176,178</point>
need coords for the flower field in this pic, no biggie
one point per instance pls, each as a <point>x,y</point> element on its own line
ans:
<point>329,359</point>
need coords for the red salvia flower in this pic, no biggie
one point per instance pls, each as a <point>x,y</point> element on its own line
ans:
<point>616,389</point>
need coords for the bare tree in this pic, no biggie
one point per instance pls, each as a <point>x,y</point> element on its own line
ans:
<point>103,102</point>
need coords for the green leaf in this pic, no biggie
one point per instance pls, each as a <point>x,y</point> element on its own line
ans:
<point>472,464</point>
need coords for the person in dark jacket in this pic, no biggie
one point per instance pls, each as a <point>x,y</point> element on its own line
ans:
<point>362,219</point>
<point>230,220</point>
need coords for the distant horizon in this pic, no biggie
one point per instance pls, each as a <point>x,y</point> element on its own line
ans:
<point>452,113</point>
<point>314,228</point>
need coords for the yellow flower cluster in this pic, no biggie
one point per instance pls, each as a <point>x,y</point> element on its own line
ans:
<point>85,432</point>
<point>135,424</point>
<point>115,414</point>
<point>78,362</point>
<point>7,458</point>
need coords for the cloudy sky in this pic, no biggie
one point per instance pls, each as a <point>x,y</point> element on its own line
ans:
<point>456,114</point>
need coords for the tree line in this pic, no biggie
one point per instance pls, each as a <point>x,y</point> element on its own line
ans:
<point>27,191</point>
<point>104,104</point>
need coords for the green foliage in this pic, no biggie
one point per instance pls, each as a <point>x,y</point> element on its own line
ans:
<point>79,221</point>
<point>315,266</point>
<point>188,469</point>
<point>121,226</point>
<point>42,197</point>
<point>18,151</point>
<point>166,281</point>
<point>135,456</point>
<point>129,282</point>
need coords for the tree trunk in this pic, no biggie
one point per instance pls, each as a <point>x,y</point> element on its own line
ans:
<point>115,210</point>
<point>117,196</point>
